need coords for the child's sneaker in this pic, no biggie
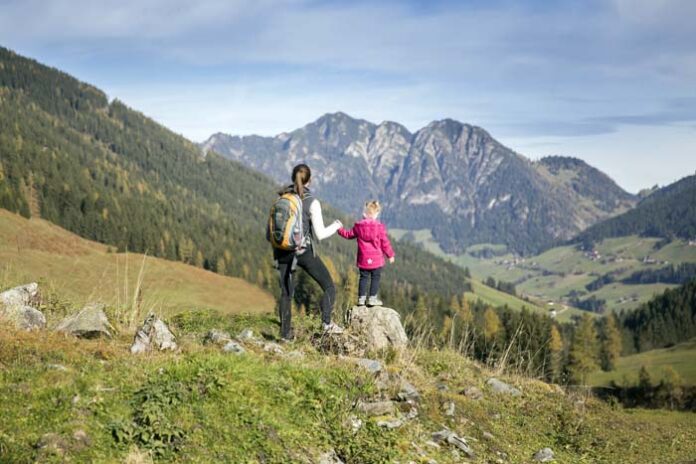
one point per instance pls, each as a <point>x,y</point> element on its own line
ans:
<point>332,329</point>
<point>361,300</point>
<point>374,301</point>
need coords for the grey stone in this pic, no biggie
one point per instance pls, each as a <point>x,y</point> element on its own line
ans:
<point>246,334</point>
<point>453,439</point>
<point>380,327</point>
<point>499,386</point>
<point>24,295</point>
<point>474,393</point>
<point>408,392</point>
<point>391,423</point>
<point>371,365</point>
<point>16,306</point>
<point>90,322</point>
<point>233,347</point>
<point>217,337</point>
<point>488,436</point>
<point>377,408</point>
<point>153,334</point>
<point>544,455</point>
<point>330,457</point>
<point>449,408</point>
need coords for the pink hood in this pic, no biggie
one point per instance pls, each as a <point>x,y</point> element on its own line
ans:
<point>373,242</point>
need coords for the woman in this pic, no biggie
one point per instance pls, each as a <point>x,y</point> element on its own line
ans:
<point>286,261</point>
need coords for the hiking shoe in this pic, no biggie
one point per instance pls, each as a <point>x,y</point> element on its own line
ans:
<point>332,329</point>
<point>374,301</point>
<point>361,300</point>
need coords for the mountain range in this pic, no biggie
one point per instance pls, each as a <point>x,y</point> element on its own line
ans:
<point>452,178</point>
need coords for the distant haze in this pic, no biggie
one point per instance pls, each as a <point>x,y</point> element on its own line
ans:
<point>608,81</point>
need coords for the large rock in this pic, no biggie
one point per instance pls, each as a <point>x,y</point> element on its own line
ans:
<point>90,322</point>
<point>16,306</point>
<point>380,327</point>
<point>153,334</point>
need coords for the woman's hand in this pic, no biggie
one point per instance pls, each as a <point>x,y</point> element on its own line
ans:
<point>391,260</point>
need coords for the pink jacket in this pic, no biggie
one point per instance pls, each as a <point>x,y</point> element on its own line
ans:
<point>373,242</point>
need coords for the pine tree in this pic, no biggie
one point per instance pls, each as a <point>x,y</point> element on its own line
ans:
<point>556,351</point>
<point>583,355</point>
<point>611,343</point>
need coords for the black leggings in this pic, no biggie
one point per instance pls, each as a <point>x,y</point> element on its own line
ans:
<point>313,266</point>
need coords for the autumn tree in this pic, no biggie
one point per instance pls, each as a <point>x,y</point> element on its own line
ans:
<point>556,353</point>
<point>583,355</point>
<point>611,343</point>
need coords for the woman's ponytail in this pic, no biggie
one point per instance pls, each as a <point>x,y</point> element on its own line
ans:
<point>300,177</point>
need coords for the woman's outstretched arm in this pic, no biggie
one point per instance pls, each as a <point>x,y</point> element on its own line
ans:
<point>320,231</point>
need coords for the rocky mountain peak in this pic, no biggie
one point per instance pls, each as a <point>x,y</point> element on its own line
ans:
<point>449,177</point>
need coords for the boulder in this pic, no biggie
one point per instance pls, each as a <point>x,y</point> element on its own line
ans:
<point>153,333</point>
<point>501,387</point>
<point>380,327</point>
<point>544,455</point>
<point>16,306</point>
<point>23,295</point>
<point>90,322</point>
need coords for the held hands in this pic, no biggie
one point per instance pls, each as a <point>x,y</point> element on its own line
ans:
<point>391,260</point>
<point>339,223</point>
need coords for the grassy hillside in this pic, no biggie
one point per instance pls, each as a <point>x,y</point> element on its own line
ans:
<point>78,270</point>
<point>564,271</point>
<point>681,357</point>
<point>91,401</point>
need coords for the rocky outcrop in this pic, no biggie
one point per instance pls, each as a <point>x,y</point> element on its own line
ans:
<point>154,333</point>
<point>17,306</point>
<point>90,322</point>
<point>379,327</point>
<point>448,436</point>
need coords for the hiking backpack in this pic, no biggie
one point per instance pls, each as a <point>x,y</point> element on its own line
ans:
<point>285,228</point>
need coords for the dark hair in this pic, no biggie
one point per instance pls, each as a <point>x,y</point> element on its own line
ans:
<point>300,176</point>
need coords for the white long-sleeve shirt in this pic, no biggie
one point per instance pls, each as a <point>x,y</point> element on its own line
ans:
<point>320,231</point>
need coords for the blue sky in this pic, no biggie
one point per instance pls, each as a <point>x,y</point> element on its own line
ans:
<point>610,81</point>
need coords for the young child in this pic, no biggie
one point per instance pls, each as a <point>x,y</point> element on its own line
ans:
<point>373,245</point>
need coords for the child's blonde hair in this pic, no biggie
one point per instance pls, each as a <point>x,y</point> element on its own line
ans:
<point>372,208</point>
